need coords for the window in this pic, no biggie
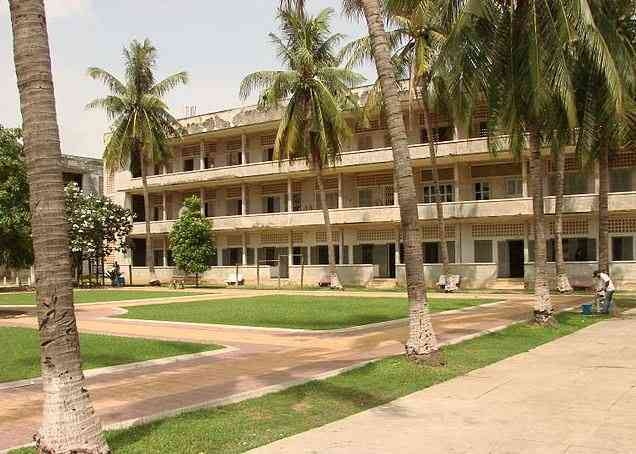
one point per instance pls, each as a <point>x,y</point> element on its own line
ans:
<point>188,165</point>
<point>232,256</point>
<point>445,190</point>
<point>621,180</point>
<point>514,187</point>
<point>482,190</point>
<point>365,197</point>
<point>483,251</point>
<point>234,158</point>
<point>208,162</point>
<point>576,183</point>
<point>234,207</point>
<point>622,248</point>
<point>332,200</point>
<point>158,169</point>
<point>158,257</point>
<point>157,212</point>
<point>365,142</point>
<point>273,204</point>
<point>432,252</point>
<point>297,201</point>
<point>579,249</point>
<point>268,154</point>
<point>320,255</point>
<point>208,208</point>
<point>299,255</point>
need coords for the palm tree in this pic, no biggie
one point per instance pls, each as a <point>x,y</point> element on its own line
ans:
<point>422,342</point>
<point>141,123</point>
<point>69,423</point>
<point>316,90</point>
<point>525,53</point>
<point>562,282</point>
<point>416,39</point>
<point>608,125</point>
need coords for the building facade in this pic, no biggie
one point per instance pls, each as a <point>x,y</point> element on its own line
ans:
<point>267,220</point>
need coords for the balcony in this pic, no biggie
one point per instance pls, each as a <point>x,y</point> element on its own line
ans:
<point>380,157</point>
<point>476,209</point>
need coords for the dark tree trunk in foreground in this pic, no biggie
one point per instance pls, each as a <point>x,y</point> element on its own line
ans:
<point>422,342</point>
<point>69,423</point>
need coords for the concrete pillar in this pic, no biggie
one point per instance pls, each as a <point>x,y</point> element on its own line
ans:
<point>290,249</point>
<point>244,249</point>
<point>202,199</point>
<point>243,148</point>
<point>219,257</point>
<point>256,255</point>
<point>524,177</point>
<point>340,204</point>
<point>202,155</point>
<point>290,196</point>
<point>350,254</point>
<point>164,204</point>
<point>397,248</point>
<point>597,178</point>
<point>526,244</point>
<point>165,251</point>
<point>341,247</point>
<point>243,199</point>
<point>456,182</point>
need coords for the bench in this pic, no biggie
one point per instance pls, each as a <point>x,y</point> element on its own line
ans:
<point>182,281</point>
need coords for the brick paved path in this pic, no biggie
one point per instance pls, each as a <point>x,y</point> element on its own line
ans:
<point>262,358</point>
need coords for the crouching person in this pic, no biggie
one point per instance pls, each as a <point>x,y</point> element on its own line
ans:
<point>606,287</point>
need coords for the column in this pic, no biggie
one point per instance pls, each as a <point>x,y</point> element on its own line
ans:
<point>244,249</point>
<point>456,182</point>
<point>340,204</point>
<point>397,249</point>
<point>341,248</point>
<point>219,256</point>
<point>524,177</point>
<point>243,199</point>
<point>290,195</point>
<point>165,251</point>
<point>202,198</point>
<point>164,204</point>
<point>350,254</point>
<point>290,249</point>
<point>597,178</point>
<point>202,155</point>
<point>243,149</point>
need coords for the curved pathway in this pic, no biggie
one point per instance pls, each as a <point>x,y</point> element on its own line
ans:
<point>261,360</point>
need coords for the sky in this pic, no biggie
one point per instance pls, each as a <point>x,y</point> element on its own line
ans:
<point>217,42</point>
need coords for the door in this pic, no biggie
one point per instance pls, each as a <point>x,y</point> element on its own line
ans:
<point>391,270</point>
<point>515,251</point>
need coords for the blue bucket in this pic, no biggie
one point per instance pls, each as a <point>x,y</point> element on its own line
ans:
<point>586,309</point>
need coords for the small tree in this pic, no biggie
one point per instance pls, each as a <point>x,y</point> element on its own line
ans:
<point>16,246</point>
<point>97,226</point>
<point>191,239</point>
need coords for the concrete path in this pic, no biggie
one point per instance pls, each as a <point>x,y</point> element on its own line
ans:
<point>576,395</point>
<point>260,361</point>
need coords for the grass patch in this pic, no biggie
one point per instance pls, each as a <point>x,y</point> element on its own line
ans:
<point>90,296</point>
<point>246,425</point>
<point>286,311</point>
<point>20,357</point>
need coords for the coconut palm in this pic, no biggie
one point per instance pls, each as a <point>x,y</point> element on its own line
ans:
<point>422,342</point>
<point>416,38</point>
<point>525,53</point>
<point>316,90</point>
<point>69,423</point>
<point>141,123</point>
<point>608,126</point>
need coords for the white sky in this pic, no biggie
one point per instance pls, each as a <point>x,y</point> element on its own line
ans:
<point>216,41</point>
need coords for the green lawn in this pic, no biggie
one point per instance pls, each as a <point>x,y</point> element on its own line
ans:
<point>90,296</point>
<point>246,425</point>
<point>285,311</point>
<point>20,352</point>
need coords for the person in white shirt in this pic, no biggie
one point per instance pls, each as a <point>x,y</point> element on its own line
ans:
<point>608,286</point>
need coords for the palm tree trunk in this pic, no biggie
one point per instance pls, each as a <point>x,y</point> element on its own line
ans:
<point>603,209</point>
<point>543,300</point>
<point>562,281</point>
<point>150,259</point>
<point>441,223</point>
<point>69,423</point>
<point>422,342</point>
<point>334,281</point>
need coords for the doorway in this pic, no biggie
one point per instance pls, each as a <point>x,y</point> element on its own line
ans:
<point>510,259</point>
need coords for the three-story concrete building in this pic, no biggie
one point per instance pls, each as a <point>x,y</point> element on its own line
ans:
<point>267,219</point>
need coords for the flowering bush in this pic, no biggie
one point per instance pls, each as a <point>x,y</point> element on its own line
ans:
<point>191,239</point>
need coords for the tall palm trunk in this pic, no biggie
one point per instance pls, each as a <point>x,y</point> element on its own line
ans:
<point>69,423</point>
<point>441,222</point>
<point>603,208</point>
<point>334,281</point>
<point>150,259</point>
<point>543,303</point>
<point>422,342</point>
<point>562,281</point>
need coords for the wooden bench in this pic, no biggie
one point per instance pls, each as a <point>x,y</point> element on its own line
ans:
<point>182,281</point>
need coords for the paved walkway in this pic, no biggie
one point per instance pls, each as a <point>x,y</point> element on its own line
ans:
<point>260,360</point>
<point>576,395</point>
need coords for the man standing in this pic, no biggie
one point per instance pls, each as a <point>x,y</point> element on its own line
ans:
<point>607,287</point>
